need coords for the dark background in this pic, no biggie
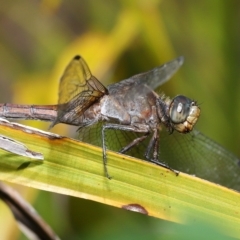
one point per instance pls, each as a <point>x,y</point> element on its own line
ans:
<point>119,39</point>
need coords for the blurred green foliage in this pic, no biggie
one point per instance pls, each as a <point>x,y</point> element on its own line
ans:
<point>118,39</point>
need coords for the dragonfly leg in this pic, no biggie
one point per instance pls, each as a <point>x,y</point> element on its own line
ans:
<point>104,152</point>
<point>134,142</point>
<point>140,128</point>
<point>154,146</point>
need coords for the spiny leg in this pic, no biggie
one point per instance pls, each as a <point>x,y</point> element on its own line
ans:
<point>140,128</point>
<point>154,145</point>
<point>104,151</point>
<point>134,142</point>
<point>150,146</point>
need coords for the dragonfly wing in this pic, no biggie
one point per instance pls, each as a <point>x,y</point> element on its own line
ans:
<point>192,153</point>
<point>195,153</point>
<point>78,90</point>
<point>153,78</point>
<point>159,75</point>
<point>76,79</point>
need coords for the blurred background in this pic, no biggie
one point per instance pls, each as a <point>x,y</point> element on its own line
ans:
<point>119,39</point>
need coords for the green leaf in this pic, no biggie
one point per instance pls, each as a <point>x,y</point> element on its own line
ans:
<point>74,168</point>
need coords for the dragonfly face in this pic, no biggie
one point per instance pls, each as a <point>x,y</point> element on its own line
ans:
<point>183,114</point>
<point>130,105</point>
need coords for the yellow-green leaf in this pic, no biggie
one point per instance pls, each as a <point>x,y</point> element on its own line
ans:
<point>74,168</point>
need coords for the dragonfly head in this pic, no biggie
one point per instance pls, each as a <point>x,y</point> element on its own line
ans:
<point>183,114</point>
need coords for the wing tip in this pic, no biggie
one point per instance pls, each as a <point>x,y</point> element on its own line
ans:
<point>77,57</point>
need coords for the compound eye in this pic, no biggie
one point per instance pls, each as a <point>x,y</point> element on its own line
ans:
<point>180,109</point>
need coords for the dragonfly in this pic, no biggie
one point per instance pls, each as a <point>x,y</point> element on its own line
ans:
<point>130,117</point>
